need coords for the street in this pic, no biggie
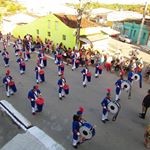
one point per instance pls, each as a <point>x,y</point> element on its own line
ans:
<point>56,119</point>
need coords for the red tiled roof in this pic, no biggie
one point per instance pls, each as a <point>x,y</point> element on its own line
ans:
<point>71,21</point>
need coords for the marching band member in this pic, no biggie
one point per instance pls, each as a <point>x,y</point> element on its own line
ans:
<point>21,63</point>
<point>98,70</point>
<point>118,88</point>
<point>145,105</point>
<point>86,76</point>
<point>130,79</point>
<point>40,58</point>
<point>79,113</point>
<point>75,131</point>
<point>19,43</point>
<point>9,84</point>
<point>58,67</point>
<point>75,60</point>
<point>61,82</point>
<point>5,55</point>
<point>55,56</point>
<point>44,60</point>
<point>58,58</point>
<point>61,68</point>
<point>39,102</point>
<point>16,48</point>
<point>39,73</point>
<point>104,104</point>
<point>27,55</point>
<point>33,95</point>
<point>138,70</point>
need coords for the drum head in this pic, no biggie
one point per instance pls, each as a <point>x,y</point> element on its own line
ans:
<point>136,77</point>
<point>125,86</point>
<point>113,108</point>
<point>86,131</point>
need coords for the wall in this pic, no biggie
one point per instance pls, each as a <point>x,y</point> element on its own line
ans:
<point>43,25</point>
<point>132,30</point>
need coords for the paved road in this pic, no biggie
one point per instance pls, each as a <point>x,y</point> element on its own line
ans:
<point>125,133</point>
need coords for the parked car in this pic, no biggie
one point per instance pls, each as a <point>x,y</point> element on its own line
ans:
<point>125,38</point>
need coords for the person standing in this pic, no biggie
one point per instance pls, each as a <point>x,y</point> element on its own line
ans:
<point>130,79</point>
<point>33,95</point>
<point>39,102</point>
<point>61,83</point>
<point>86,74</point>
<point>75,131</point>
<point>40,58</point>
<point>9,84</point>
<point>5,55</point>
<point>39,73</point>
<point>98,70</point>
<point>104,105</point>
<point>22,65</point>
<point>118,88</point>
<point>145,105</point>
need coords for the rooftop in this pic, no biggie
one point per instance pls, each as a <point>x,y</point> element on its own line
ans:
<point>71,21</point>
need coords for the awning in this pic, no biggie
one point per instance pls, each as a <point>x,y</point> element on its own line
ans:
<point>109,31</point>
<point>85,40</point>
<point>96,37</point>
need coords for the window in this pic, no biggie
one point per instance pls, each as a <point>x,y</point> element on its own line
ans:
<point>56,25</point>
<point>49,24</point>
<point>37,31</point>
<point>144,35</point>
<point>126,31</point>
<point>134,32</point>
<point>49,33</point>
<point>64,37</point>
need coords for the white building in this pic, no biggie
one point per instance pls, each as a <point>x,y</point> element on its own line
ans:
<point>10,22</point>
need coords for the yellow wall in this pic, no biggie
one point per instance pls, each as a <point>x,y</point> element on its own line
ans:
<point>42,25</point>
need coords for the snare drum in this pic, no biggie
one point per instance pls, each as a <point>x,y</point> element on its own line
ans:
<point>87,131</point>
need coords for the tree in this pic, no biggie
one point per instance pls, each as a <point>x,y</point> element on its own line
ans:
<point>10,6</point>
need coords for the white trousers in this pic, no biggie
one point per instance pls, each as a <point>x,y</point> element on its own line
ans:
<point>104,117</point>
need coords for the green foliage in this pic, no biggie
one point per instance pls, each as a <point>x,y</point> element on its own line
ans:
<point>137,8</point>
<point>9,7</point>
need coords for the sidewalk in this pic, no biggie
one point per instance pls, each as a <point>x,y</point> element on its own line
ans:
<point>126,48</point>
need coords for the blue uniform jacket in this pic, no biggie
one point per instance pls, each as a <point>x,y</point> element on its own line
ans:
<point>75,129</point>
<point>130,74</point>
<point>118,86</point>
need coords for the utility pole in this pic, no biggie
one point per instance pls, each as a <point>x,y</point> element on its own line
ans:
<point>79,19</point>
<point>142,24</point>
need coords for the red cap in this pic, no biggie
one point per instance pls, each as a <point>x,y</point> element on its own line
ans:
<point>20,53</point>
<point>81,109</point>
<point>36,87</point>
<point>7,72</point>
<point>109,90</point>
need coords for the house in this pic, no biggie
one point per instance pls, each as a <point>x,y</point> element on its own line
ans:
<point>131,28</point>
<point>10,22</point>
<point>58,28</point>
<point>99,15</point>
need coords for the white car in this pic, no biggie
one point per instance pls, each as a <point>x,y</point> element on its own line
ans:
<point>124,38</point>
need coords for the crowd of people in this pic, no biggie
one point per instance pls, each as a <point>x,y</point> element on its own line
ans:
<point>130,69</point>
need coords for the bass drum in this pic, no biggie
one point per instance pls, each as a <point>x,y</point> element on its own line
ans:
<point>87,131</point>
<point>125,85</point>
<point>113,107</point>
